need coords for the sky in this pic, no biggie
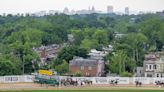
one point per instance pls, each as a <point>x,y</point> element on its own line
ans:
<point>30,6</point>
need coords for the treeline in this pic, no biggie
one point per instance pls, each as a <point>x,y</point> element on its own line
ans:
<point>19,34</point>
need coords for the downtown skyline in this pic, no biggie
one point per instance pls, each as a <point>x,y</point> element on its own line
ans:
<point>32,6</point>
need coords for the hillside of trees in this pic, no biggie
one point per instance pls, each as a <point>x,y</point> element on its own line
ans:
<point>19,34</point>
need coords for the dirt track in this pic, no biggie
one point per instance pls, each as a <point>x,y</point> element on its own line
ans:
<point>32,86</point>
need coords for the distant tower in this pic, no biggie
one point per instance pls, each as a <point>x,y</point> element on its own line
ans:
<point>126,10</point>
<point>110,9</point>
<point>93,9</point>
<point>66,11</point>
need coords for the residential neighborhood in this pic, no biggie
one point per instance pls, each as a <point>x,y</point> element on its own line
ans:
<point>47,52</point>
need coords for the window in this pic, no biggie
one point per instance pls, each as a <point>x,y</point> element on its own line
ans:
<point>146,66</point>
<point>86,73</point>
<point>90,68</point>
<point>82,67</point>
<point>155,67</point>
<point>157,75</point>
<point>149,75</point>
<point>150,67</point>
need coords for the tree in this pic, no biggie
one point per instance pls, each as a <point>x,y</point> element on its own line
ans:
<point>22,47</point>
<point>153,29</point>
<point>134,45</point>
<point>69,52</point>
<point>117,63</point>
<point>51,39</point>
<point>63,68</point>
<point>121,27</point>
<point>78,36</point>
<point>101,37</point>
<point>89,44</point>
<point>9,65</point>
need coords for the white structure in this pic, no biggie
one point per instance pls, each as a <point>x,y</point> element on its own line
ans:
<point>109,9</point>
<point>154,65</point>
<point>95,80</point>
<point>97,54</point>
<point>126,10</point>
<point>66,11</point>
<point>71,37</point>
<point>109,48</point>
<point>140,72</point>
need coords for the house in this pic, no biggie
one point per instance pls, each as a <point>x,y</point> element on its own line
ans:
<point>70,38</point>
<point>97,54</point>
<point>47,52</point>
<point>118,35</point>
<point>87,67</point>
<point>154,65</point>
<point>109,48</point>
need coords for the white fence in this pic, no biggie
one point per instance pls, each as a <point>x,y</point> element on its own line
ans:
<point>16,79</point>
<point>96,80</point>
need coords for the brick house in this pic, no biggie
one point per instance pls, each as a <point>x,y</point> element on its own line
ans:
<point>87,67</point>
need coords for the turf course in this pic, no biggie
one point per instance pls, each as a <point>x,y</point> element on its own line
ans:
<point>88,91</point>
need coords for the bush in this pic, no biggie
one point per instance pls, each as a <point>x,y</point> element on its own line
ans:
<point>126,74</point>
<point>78,74</point>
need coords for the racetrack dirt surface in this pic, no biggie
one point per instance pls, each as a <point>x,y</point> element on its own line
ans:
<point>32,86</point>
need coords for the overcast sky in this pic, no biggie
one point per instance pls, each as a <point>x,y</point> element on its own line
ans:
<point>24,6</point>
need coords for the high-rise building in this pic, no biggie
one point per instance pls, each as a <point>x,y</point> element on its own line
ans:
<point>109,9</point>
<point>126,10</point>
<point>66,11</point>
<point>93,8</point>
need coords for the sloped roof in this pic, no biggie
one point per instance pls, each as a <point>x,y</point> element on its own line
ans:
<point>84,62</point>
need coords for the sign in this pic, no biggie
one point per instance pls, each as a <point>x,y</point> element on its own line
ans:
<point>11,79</point>
<point>101,80</point>
<point>143,80</point>
<point>123,80</point>
<point>29,78</point>
<point>45,72</point>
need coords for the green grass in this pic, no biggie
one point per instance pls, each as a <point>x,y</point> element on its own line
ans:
<point>89,91</point>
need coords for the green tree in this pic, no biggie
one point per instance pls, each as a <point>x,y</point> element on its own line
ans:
<point>22,47</point>
<point>118,61</point>
<point>101,37</point>
<point>69,52</point>
<point>78,36</point>
<point>134,45</point>
<point>63,68</point>
<point>9,65</point>
<point>153,29</point>
<point>89,44</point>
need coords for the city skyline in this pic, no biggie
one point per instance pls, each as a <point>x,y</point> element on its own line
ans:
<point>31,6</point>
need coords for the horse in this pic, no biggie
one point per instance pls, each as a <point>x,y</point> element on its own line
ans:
<point>114,82</point>
<point>88,82</point>
<point>68,82</point>
<point>138,83</point>
<point>159,83</point>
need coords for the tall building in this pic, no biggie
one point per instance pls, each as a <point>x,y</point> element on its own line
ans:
<point>126,10</point>
<point>66,11</point>
<point>93,9</point>
<point>109,9</point>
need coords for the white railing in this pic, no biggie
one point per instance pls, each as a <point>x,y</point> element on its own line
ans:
<point>95,80</point>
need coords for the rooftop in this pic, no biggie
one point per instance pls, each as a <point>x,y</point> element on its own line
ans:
<point>78,61</point>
